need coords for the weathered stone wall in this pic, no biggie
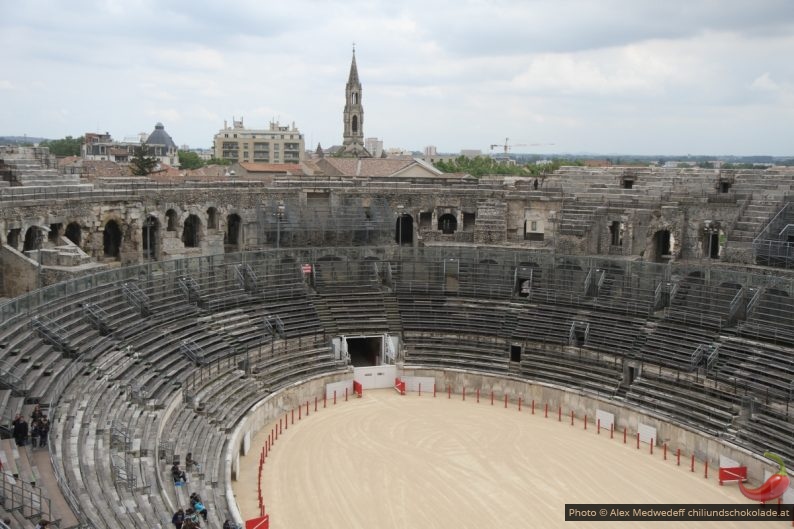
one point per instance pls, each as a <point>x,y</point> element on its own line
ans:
<point>487,216</point>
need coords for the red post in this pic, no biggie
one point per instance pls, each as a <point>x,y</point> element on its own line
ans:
<point>334,397</point>
<point>571,417</point>
<point>307,408</point>
<point>315,403</point>
<point>519,403</point>
<point>345,394</point>
<point>491,397</point>
<point>546,410</point>
<point>478,395</point>
<point>277,434</point>
<point>464,392</point>
<point>598,426</point>
<point>665,451</point>
<point>651,445</point>
<point>624,435</point>
<point>559,413</point>
<point>300,412</point>
<point>692,467</point>
<point>434,390</point>
<point>585,422</point>
<point>678,457</point>
<point>293,416</point>
<point>533,406</point>
<point>449,391</point>
<point>706,470</point>
<point>420,389</point>
<point>611,431</point>
<point>325,399</point>
<point>638,440</point>
<point>505,400</point>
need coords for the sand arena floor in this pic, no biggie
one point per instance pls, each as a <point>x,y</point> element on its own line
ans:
<point>386,461</point>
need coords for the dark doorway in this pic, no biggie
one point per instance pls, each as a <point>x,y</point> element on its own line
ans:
<point>365,352</point>
<point>447,223</point>
<point>190,233</point>
<point>628,183</point>
<point>404,230</point>
<point>149,236</point>
<point>172,220</point>
<point>515,353</point>
<point>712,245</point>
<point>33,239</point>
<point>212,219</point>
<point>233,225</point>
<point>56,230</point>
<point>111,239</point>
<point>661,245</point>
<point>614,234</point>
<point>725,186</point>
<point>13,238</point>
<point>74,233</point>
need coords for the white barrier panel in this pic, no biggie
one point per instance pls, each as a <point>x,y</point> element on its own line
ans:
<point>646,433</point>
<point>607,419</point>
<point>727,462</point>
<point>246,446</point>
<point>339,387</point>
<point>376,377</point>
<point>412,383</point>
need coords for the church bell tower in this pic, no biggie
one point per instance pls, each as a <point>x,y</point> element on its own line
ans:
<point>354,114</point>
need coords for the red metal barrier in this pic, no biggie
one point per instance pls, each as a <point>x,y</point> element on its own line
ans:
<point>358,389</point>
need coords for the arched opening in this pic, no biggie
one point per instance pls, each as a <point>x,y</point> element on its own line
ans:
<point>404,230</point>
<point>13,238</point>
<point>33,239</point>
<point>234,226</point>
<point>212,219</point>
<point>190,233</point>
<point>173,221</point>
<point>111,239</point>
<point>74,233</point>
<point>354,124</point>
<point>56,230</point>
<point>661,246</point>
<point>149,235</point>
<point>447,223</point>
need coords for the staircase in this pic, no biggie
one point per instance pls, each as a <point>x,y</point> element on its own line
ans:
<point>576,219</point>
<point>325,315</point>
<point>392,314</point>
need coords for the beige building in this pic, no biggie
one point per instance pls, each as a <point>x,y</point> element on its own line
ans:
<point>277,144</point>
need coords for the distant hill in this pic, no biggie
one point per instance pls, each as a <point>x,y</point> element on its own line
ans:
<point>16,140</point>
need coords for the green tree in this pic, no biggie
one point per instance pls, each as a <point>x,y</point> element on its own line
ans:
<point>190,160</point>
<point>67,146</point>
<point>141,163</point>
<point>218,161</point>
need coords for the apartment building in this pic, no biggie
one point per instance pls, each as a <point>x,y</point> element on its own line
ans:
<point>276,144</point>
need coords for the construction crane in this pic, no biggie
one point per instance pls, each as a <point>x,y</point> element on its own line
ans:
<point>509,146</point>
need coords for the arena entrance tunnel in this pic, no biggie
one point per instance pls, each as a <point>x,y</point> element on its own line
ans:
<point>365,351</point>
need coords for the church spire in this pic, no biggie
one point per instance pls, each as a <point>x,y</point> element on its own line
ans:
<point>352,79</point>
<point>353,115</point>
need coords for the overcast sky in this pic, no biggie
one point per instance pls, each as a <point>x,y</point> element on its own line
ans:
<point>633,76</point>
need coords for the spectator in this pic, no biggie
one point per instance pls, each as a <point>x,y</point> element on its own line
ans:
<point>190,463</point>
<point>200,509</point>
<point>178,474</point>
<point>37,413</point>
<point>44,430</point>
<point>178,518</point>
<point>42,524</point>
<point>191,519</point>
<point>34,432</point>
<point>20,430</point>
<point>228,524</point>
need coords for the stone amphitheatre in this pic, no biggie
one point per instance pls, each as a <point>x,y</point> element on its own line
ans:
<point>153,320</point>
